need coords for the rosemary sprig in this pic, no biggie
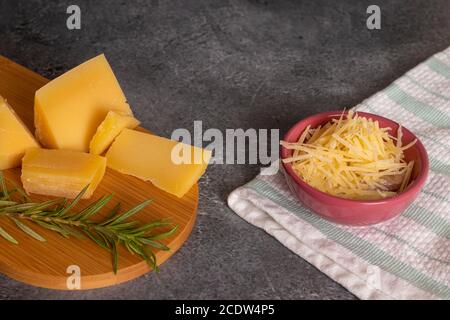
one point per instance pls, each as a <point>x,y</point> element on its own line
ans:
<point>58,215</point>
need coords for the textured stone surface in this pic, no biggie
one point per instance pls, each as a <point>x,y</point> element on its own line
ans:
<point>231,64</point>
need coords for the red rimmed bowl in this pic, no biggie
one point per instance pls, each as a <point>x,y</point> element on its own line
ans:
<point>356,212</point>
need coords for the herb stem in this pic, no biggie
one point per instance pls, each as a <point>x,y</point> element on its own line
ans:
<point>59,216</point>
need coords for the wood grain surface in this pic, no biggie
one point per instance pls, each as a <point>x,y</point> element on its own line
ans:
<point>45,264</point>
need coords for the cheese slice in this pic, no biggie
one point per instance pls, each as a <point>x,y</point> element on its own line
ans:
<point>170,165</point>
<point>15,137</point>
<point>109,129</point>
<point>61,173</point>
<point>69,109</point>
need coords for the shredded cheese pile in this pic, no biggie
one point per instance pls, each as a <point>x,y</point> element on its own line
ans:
<point>352,158</point>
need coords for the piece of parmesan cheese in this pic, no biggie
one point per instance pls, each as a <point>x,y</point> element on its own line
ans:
<point>352,157</point>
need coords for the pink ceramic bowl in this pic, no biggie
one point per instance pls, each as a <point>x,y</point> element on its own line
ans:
<point>356,212</point>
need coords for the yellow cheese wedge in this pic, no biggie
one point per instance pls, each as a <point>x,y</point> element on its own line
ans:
<point>69,109</point>
<point>61,173</point>
<point>109,129</point>
<point>155,159</point>
<point>15,137</point>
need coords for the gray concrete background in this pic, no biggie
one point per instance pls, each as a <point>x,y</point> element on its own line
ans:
<point>231,64</point>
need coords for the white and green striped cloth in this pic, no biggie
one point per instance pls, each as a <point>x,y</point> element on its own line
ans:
<point>405,258</point>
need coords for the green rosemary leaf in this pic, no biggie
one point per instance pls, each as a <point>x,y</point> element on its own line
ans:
<point>127,245</point>
<point>152,258</point>
<point>99,241</point>
<point>113,212</point>
<point>124,226</point>
<point>38,212</point>
<point>154,244</point>
<point>164,235</point>
<point>72,231</point>
<point>115,256</point>
<point>20,191</point>
<point>53,228</point>
<point>131,212</point>
<point>27,230</point>
<point>4,203</point>
<point>42,206</point>
<point>149,226</point>
<point>135,247</point>
<point>47,213</point>
<point>8,197</point>
<point>105,238</point>
<point>141,251</point>
<point>20,207</point>
<point>92,209</point>
<point>109,220</point>
<point>7,236</point>
<point>152,254</point>
<point>74,202</point>
<point>60,207</point>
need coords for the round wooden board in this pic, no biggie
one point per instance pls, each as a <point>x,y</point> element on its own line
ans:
<point>45,264</point>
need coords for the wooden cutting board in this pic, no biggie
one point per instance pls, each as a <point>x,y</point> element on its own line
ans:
<point>45,264</point>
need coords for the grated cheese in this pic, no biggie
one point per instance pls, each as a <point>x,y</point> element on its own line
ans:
<point>352,157</point>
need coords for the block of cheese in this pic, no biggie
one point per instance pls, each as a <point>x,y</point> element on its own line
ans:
<point>69,109</point>
<point>156,159</point>
<point>109,129</point>
<point>15,137</point>
<point>61,173</point>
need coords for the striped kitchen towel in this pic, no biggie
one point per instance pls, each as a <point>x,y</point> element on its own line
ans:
<point>405,258</point>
